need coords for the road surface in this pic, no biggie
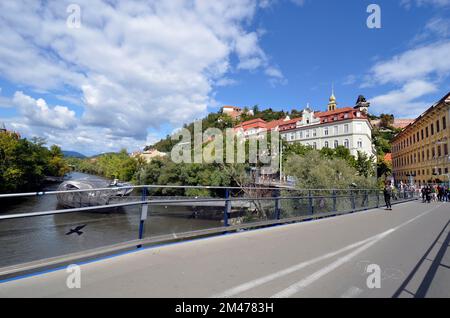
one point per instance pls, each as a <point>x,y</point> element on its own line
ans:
<point>324,258</point>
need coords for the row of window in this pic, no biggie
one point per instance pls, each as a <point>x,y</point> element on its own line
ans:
<point>335,144</point>
<point>422,172</point>
<point>436,152</point>
<point>326,131</point>
<point>422,134</point>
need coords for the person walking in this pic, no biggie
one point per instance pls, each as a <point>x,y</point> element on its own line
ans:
<point>428,194</point>
<point>387,196</point>
<point>424,190</point>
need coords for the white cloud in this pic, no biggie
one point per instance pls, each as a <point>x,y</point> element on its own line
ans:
<point>38,113</point>
<point>417,72</point>
<point>404,101</point>
<point>134,64</point>
<point>413,64</point>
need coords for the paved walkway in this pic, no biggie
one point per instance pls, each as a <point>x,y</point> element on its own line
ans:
<point>324,258</point>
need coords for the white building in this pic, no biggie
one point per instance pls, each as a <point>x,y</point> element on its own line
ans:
<point>348,127</point>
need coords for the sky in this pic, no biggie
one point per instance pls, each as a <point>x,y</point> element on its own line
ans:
<point>100,75</point>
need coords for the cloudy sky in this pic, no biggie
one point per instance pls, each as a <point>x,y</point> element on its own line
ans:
<point>135,70</point>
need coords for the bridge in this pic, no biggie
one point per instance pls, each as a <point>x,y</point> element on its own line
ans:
<point>326,255</point>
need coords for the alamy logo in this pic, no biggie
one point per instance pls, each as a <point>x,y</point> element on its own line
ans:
<point>74,279</point>
<point>374,279</point>
<point>374,19</point>
<point>74,19</point>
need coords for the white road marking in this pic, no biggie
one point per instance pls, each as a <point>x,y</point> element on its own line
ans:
<point>260,281</point>
<point>297,287</point>
<point>265,279</point>
<point>352,292</point>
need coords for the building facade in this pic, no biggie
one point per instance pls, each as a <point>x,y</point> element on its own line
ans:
<point>348,127</point>
<point>420,153</point>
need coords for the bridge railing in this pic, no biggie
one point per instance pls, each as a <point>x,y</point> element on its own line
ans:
<point>33,239</point>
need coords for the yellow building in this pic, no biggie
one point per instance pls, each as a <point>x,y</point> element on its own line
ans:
<point>420,153</point>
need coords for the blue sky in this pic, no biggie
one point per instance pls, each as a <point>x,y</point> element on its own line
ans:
<point>136,70</point>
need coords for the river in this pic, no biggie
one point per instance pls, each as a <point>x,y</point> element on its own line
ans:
<point>34,238</point>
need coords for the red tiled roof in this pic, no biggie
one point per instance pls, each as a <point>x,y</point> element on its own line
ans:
<point>402,123</point>
<point>232,107</point>
<point>334,112</point>
<point>254,123</point>
<point>388,157</point>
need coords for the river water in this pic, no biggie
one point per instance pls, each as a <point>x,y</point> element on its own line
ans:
<point>33,238</point>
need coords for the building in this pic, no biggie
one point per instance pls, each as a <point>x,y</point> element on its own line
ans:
<point>235,112</point>
<point>348,127</point>
<point>420,153</point>
<point>149,155</point>
<point>3,129</point>
<point>400,123</point>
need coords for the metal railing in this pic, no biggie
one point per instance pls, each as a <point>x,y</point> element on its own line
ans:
<point>35,239</point>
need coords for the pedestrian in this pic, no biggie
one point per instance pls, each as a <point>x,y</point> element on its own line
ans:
<point>428,194</point>
<point>387,196</point>
<point>424,189</point>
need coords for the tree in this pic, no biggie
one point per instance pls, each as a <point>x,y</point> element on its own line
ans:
<point>386,120</point>
<point>364,164</point>
<point>312,171</point>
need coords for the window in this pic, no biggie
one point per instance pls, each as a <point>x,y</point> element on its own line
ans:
<point>346,115</point>
<point>432,129</point>
<point>346,128</point>
<point>325,131</point>
<point>360,143</point>
<point>358,114</point>
<point>327,145</point>
<point>438,125</point>
<point>444,123</point>
<point>336,144</point>
<point>426,132</point>
<point>421,134</point>
<point>445,149</point>
<point>346,144</point>
<point>439,151</point>
<point>315,133</point>
<point>307,134</point>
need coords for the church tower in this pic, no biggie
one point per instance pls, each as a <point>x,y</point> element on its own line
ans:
<point>332,105</point>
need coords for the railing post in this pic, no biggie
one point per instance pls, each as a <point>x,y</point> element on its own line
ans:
<point>277,204</point>
<point>144,212</point>
<point>378,199</point>
<point>366,199</point>
<point>227,209</point>
<point>334,201</point>
<point>310,203</point>
<point>352,195</point>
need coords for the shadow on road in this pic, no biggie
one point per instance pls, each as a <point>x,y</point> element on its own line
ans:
<point>424,286</point>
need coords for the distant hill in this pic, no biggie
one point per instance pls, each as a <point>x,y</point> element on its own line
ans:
<point>73,154</point>
<point>102,154</point>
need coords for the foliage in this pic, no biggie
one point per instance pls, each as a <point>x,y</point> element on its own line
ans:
<point>112,165</point>
<point>24,164</point>
<point>314,171</point>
